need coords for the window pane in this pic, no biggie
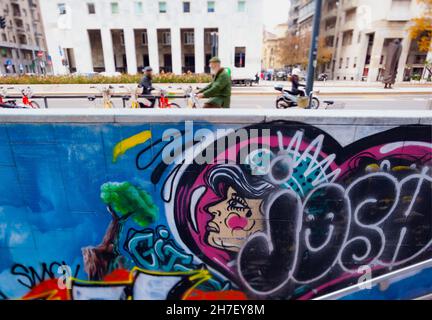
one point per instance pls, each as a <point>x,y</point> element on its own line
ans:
<point>114,7</point>
<point>162,7</point>
<point>242,6</point>
<point>138,7</point>
<point>62,8</point>
<point>240,57</point>
<point>91,8</point>
<point>186,7</point>
<point>144,38</point>
<point>210,6</point>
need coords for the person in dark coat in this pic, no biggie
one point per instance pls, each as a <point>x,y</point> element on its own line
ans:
<point>147,86</point>
<point>394,51</point>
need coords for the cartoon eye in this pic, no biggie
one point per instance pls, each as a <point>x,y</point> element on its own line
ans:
<point>237,203</point>
<point>310,217</point>
<point>330,216</point>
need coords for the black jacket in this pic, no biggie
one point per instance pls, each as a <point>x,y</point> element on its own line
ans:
<point>146,84</point>
<point>296,85</point>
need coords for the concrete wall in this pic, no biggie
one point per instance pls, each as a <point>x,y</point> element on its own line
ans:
<point>113,192</point>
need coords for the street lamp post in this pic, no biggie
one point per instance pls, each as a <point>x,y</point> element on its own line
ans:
<point>313,53</point>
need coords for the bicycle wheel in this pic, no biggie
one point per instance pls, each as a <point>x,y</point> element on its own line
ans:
<point>34,105</point>
<point>174,105</point>
<point>315,104</point>
<point>7,106</point>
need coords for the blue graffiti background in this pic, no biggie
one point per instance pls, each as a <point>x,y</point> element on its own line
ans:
<point>50,203</point>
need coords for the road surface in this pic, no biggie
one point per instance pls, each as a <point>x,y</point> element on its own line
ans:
<point>360,102</point>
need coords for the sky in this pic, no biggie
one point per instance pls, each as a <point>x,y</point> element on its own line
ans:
<point>275,12</point>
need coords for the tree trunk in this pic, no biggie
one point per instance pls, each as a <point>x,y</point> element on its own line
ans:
<point>99,260</point>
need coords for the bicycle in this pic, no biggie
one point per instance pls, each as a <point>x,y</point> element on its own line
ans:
<point>9,104</point>
<point>106,92</point>
<point>27,93</point>
<point>133,97</point>
<point>192,98</point>
<point>164,100</point>
<point>26,102</point>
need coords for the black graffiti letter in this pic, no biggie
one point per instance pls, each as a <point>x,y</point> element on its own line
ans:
<point>267,259</point>
<point>326,217</point>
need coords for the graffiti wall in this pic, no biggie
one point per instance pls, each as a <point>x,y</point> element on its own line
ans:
<point>276,210</point>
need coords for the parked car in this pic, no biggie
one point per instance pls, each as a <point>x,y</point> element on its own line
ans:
<point>281,76</point>
<point>323,77</point>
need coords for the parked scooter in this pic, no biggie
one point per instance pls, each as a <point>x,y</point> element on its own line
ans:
<point>287,100</point>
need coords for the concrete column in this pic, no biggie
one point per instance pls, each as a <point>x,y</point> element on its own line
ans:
<point>406,43</point>
<point>176,50</point>
<point>153,49</point>
<point>199,50</point>
<point>361,58</point>
<point>129,36</point>
<point>375,57</point>
<point>226,47</point>
<point>108,51</point>
<point>83,56</point>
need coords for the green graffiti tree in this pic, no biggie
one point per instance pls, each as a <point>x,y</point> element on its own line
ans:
<point>124,201</point>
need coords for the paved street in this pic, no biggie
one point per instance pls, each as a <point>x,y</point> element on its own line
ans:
<point>359,102</point>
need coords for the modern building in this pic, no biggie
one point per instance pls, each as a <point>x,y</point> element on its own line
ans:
<point>171,36</point>
<point>22,42</point>
<point>359,31</point>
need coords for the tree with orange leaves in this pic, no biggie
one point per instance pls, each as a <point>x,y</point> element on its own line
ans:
<point>421,28</point>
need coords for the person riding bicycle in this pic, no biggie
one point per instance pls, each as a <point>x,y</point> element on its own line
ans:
<point>147,86</point>
<point>295,84</point>
<point>219,90</point>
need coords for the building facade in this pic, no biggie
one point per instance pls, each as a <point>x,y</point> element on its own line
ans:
<point>171,36</point>
<point>271,56</point>
<point>358,33</point>
<point>22,42</point>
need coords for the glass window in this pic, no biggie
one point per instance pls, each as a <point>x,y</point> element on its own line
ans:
<point>162,7</point>
<point>139,9</point>
<point>241,6</point>
<point>186,6</point>
<point>114,7</point>
<point>166,38</point>
<point>211,6</point>
<point>189,38</point>
<point>240,57</point>
<point>144,38</point>
<point>62,8</point>
<point>91,8</point>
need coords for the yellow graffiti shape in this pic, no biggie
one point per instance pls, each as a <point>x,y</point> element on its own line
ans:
<point>129,143</point>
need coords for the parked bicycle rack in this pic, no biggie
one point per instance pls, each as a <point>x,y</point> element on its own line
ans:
<point>96,96</point>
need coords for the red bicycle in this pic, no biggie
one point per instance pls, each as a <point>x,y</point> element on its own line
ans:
<point>164,100</point>
<point>27,93</point>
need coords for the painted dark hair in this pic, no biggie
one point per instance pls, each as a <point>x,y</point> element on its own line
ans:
<point>220,177</point>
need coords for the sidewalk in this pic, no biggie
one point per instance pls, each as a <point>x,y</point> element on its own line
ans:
<point>330,88</point>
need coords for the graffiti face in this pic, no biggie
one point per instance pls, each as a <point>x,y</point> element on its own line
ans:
<point>218,230</point>
<point>234,219</point>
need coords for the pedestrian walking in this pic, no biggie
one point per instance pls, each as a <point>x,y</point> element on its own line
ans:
<point>394,51</point>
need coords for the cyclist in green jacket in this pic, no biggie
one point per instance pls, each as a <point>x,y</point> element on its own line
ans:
<point>219,90</point>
